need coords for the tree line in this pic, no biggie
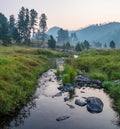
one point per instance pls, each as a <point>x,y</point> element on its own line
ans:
<point>20,30</point>
<point>65,38</point>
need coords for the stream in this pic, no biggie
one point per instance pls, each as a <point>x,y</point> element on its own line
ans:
<point>48,104</point>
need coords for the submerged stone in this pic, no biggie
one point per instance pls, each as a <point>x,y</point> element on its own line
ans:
<point>62,118</point>
<point>57,95</point>
<point>66,99</point>
<point>80,103</point>
<point>70,106</point>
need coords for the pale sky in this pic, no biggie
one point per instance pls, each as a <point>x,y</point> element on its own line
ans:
<point>69,14</point>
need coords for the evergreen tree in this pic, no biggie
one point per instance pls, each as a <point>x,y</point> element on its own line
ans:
<point>24,25</point>
<point>97,44</point>
<point>4,30</point>
<point>11,25</point>
<point>27,27</point>
<point>51,42</point>
<point>21,22</point>
<point>68,46</point>
<point>33,20</point>
<point>74,36</point>
<point>82,46</point>
<point>105,45</point>
<point>13,31</point>
<point>64,46</point>
<point>112,44</point>
<point>43,26</point>
<point>63,36</point>
<point>86,44</point>
<point>78,47</point>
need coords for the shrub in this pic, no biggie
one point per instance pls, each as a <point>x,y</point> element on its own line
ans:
<point>70,74</point>
<point>58,72</point>
<point>65,78</point>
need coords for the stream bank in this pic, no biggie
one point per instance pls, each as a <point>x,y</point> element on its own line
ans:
<point>49,106</point>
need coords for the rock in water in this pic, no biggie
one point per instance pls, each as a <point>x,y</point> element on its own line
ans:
<point>94,105</point>
<point>67,88</point>
<point>66,99</point>
<point>62,118</point>
<point>57,95</point>
<point>80,103</point>
<point>70,106</point>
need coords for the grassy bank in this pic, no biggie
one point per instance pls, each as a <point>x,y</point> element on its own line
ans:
<point>103,65</point>
<point>19,69</point>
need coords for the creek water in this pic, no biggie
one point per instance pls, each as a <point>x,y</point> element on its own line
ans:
<point>47,105</point>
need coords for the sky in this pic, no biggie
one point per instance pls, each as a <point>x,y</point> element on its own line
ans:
<point>68,14</point>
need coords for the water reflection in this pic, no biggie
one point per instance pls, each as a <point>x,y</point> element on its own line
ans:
<point>5,123</point>
<point>41,113</point>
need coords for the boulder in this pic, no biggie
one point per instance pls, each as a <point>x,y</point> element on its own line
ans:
<point>67,88</point>
<point>80,103</point>
<point>82,80</point>
<point>94,105</point>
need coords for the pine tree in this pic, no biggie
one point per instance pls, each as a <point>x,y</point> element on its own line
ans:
<point>11,25</point>
<point>43,26</point>
<point>4,30</point>
<point>13,31</point>
<point>78,47</point>
<point>86,44</point>
<point>24,25</point>
<point>33,20</point>
<point>63,36</point>
<point>27,27</point>
<point>112,44</point>
<point>105,45</point>
<point>51,42</point>
<point>21,22</point>
<point>68,46</point>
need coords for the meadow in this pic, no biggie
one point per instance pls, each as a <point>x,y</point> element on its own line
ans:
<point>20,68</point>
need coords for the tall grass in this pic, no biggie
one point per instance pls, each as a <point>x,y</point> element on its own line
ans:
<point>19,69</point>
<point>69,74</point>
<point>99,64</point>
<point>102,65</point>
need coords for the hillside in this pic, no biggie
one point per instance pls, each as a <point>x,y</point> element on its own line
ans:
<point>103,33</point>
<point>53,31</point>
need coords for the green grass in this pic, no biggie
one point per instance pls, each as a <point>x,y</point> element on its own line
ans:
<point>114,91</point>
<point>20,68</point>
<point>101,65</point>
<point>68,74</point>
